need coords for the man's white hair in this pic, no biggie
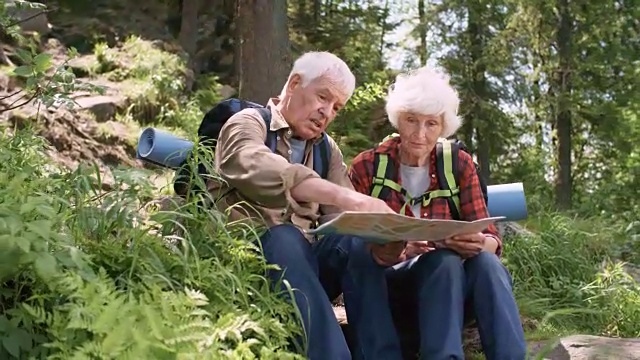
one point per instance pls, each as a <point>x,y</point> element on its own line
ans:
<point>317,64</point>
<point>425,91</point>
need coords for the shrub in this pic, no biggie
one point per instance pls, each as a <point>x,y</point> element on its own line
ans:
<point>91,274</point>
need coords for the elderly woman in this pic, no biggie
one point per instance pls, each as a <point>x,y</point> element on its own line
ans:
<point>435,286</point>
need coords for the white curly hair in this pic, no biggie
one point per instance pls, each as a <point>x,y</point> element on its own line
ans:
<point>424,91</point>
<point>316,64</point>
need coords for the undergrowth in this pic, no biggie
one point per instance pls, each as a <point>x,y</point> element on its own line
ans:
<point>569,278</point>
<point>154,82</point>
<point>87,274</point>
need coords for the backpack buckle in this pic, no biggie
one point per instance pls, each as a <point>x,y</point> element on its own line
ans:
<point>378,181</point>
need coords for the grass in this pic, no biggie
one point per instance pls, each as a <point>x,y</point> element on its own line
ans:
<point>569,279</point>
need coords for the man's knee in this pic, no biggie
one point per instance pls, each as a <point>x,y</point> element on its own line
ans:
<point>285,245</point>
<point>342,248</point>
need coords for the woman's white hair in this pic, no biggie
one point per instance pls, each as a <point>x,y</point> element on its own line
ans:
<point>317,64</point>
<point>425,91</point>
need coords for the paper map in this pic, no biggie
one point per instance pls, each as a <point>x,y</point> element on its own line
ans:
<point>382,228</point>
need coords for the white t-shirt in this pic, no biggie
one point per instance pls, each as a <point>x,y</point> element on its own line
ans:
<point>416,181</point>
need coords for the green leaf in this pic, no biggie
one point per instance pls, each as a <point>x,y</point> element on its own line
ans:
<point>45,265</point>
<point>40,227</point>
<point>24,55</point>
<point>11,344</point>
<point>23,243</point>
<point>24,70</point>
<point>42,62</point>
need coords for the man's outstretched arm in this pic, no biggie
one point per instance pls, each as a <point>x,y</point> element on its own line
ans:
<point>247,164</point>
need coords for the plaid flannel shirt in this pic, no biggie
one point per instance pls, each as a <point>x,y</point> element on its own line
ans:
<point>472,203</point>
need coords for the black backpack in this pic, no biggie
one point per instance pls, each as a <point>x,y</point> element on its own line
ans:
<point>385,176</point>
<point>209,131</point>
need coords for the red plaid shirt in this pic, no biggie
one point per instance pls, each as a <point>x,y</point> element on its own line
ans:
<point>472,203</point>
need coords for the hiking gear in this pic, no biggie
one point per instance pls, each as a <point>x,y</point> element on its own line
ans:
<point>209,131</point>
<point>385,177</point>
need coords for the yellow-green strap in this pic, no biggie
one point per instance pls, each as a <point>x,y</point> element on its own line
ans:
<point>379,181</point>
<point>448,172</point>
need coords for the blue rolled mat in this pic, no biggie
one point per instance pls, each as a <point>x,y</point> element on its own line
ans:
<point>507,200</point>
<point>162,148</point>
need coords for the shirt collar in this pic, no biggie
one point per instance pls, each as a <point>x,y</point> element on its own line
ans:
<point>278,121</point>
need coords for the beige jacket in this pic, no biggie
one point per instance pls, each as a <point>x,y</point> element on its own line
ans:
<point>256,182</point>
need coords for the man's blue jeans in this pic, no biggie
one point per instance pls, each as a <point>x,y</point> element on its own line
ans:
<point>429,294</point>
<point>318,273</point>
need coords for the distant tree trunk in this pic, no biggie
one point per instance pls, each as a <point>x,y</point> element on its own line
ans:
<point>265,53</point>
<point>383,32</point>
<point>188,36</point>
<point>562,84</point>
<point>479,112</point>
<point>422,31</point>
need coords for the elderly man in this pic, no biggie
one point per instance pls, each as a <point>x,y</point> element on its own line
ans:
<point>280,186</point>
<point>430,283</point>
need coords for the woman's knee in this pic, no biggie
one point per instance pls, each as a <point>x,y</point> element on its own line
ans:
<point>486,264</point>
<point>441,261</point>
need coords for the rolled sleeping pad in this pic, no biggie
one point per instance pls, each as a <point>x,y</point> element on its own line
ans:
<point>507,200</point>
<point>162,148</point>
<point>165,149</point>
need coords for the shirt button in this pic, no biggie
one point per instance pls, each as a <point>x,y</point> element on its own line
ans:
<point>433,176</point>
<point>425,214</point>
<point>277,137</point>
<point>289,151</point>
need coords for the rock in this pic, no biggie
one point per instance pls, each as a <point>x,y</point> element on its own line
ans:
<point>226,61</point>
<point>509,229</point>
<point>82,66</point>
<point>227,91</point>
<point>588,347</point>
<point>341,315</point>
<point>633,271</point>
<point>29,19</point>
<point>103,107</point>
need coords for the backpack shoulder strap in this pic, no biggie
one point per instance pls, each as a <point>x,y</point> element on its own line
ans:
<point>265,112</point>
<point>447,173</point>
<point>322,156</point>
<point>384,177</point>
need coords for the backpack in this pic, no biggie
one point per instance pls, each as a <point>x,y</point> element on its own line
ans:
<point>209,130</point>
<point>385,176</point>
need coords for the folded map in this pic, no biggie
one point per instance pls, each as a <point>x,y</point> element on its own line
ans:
<point>382,228</point>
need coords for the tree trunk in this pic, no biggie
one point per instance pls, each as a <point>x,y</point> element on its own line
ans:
<point>479,112</point>
<point>564,186</point>
<point>188,36</point>
<point>265,54</point>
<point>422,31</point>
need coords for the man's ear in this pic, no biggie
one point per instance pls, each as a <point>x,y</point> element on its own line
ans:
<point>294,81</point>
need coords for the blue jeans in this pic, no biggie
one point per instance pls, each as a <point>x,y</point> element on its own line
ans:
<point>318,273</point>
<point>430,293</point>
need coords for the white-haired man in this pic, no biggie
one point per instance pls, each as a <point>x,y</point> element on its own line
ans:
<point>280,186</point>
<point>431,284</point>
